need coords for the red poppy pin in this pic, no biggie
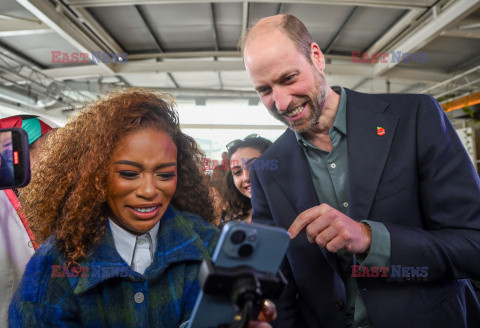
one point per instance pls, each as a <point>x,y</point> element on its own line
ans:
<point>380,131</point>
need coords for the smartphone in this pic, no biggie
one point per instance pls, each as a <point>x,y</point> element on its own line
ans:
<point>259,246</point>
<point>14,158</point>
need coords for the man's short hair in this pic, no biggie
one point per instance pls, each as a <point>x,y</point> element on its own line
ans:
<point>291,26</point>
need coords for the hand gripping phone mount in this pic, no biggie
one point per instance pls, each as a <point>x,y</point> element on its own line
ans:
<point>245,287</point>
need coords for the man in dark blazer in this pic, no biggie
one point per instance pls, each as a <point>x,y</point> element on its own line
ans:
<point>378,193</point>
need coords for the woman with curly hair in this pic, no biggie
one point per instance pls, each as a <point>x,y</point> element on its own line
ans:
<point>237,189</point>
<point>118,200</point>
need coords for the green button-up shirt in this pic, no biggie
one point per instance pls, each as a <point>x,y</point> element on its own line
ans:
<point>329,171</point>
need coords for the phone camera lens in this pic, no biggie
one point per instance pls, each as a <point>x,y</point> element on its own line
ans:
<point>237,237</point>
<point>245,250</point>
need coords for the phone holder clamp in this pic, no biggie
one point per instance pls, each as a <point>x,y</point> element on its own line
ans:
<point>245,287</point>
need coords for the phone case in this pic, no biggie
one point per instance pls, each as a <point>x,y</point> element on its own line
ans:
<point>259,246</point>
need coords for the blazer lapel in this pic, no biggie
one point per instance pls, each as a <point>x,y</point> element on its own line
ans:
<point>293,174</point>
<point>367,149</point>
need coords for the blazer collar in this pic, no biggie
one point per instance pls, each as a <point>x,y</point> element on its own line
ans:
<point>293,174</point>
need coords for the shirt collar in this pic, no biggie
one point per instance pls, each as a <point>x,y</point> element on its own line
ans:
<point>340,122</point>
<point>179,242</point>
<point>125,241</point>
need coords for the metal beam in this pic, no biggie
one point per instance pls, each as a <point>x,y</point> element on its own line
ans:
<point>155,38</point>
<point>98,29</point>
<point>12,27</point>
<point>21,56</point>
<point>412,87</point>
<point>179,66</point>
<point>215,40</point>
<point>430,30</point>
<point>60,22</point>
<point>178,93</point>
<point>14,108</point>
<point>464,64</point>
<point>245,7</point>
<point>76,72</point>
<point>451,79</point>
<point>395,30</point>
<point>467,34</point>
<point>341,29</point>
<point>280,8</point>
<point>413,74</point>
<point>398,4</point>
<point>204,54</point>
<point>341,68</point>
<point>185,54</point>
<point>460,87</point>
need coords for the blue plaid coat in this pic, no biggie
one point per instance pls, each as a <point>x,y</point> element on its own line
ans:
<point>106,292</point>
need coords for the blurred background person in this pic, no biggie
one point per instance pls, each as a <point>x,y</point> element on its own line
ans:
<point>16,239</point>
<point>237,190</point>
<point>215,185</point>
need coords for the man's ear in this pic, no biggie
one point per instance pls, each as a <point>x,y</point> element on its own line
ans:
<point>317,56</point>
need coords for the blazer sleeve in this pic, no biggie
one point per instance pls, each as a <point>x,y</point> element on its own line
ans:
<point>287,305</point>
<point>449,191</point>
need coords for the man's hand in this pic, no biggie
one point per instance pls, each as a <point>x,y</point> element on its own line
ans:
<point>332,230</point>
<point>267,314</point>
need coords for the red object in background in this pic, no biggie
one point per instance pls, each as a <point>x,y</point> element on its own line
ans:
<point>381,131</point>
<point>15,157</point>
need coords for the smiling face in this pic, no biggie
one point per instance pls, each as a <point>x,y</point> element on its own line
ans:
<point>293,89</point>
<point>240,163</point>
<point>142,179</point>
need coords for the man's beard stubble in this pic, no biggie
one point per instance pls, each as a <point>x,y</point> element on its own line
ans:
<point>316,106</point>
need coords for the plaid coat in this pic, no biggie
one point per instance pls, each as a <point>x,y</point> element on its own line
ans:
<point>106,292</point>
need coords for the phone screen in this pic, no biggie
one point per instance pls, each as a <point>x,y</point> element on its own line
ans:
<point>14,158</point>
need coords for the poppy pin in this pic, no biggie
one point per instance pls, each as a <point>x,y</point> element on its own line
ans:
<point>380,131</point>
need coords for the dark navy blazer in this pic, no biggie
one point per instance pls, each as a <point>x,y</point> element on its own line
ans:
<point>416,179</point>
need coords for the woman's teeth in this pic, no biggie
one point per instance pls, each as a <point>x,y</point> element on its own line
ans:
<point>144,209</point>
<point>297,111</point>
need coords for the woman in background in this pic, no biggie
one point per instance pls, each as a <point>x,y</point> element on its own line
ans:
<point>237,189</point>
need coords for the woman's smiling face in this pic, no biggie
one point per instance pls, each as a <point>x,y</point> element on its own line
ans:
<point>240,164</point>
<point>142,179</point>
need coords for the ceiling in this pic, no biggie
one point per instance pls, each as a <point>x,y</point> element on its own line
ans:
<point>189,48</point>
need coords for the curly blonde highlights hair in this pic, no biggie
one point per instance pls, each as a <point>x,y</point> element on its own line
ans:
<point>67,194</point>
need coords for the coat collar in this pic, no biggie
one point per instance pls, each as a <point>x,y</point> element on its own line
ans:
<point>177,242</point>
